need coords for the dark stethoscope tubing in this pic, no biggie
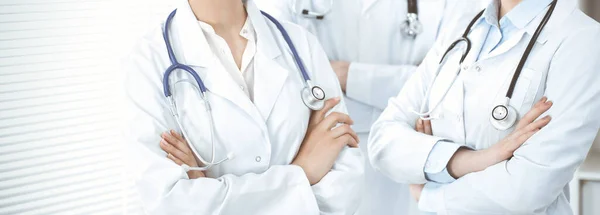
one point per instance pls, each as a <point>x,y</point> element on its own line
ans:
<point>502,108</point>
<point>411,27</point>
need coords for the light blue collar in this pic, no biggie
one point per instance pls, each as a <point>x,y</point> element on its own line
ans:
<point>520,17</point>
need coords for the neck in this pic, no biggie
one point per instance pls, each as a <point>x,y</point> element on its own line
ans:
<point>506,6</point>
<point>220,14</point>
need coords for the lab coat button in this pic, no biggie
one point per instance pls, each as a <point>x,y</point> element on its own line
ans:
<point>258,158</point>
<point>465,67</point>
<point>478,68</point>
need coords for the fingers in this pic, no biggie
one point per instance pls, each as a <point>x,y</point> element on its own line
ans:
<point>419,126</point>
<point>538,124</point>
<point>318,116</point>
<point>538,109</point>
<point>342,130</point>
<point>525,133</point>
<point>524,137</point>
<point>178,143</point>
<point>174,159</point>
<point>333,119</point>
<point>348,140</point>
<point>427,127</point>
<point>177,135</point>
<point>424,126</point>
<point>170,149</point>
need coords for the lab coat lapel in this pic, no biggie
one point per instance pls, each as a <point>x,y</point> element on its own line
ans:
<point>366,5</point>
<point>449,115</point>
<point>529,29</point>
<point>193,49</point>
<point>269,76</point>
<point>508,45</point>
<point>477,37</point>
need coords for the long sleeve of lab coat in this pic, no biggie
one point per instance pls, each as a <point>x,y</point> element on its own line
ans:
<point>535,177</point>
<point>339,191</point>
<point>395,148</point>
<point>165,188</point>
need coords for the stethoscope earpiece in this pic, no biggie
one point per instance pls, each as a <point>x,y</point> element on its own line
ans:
<point>306,13</point>
<point>313,97</point>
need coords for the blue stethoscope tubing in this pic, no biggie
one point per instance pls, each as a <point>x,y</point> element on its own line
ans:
<point>503,115</point>
<point>313,96</point>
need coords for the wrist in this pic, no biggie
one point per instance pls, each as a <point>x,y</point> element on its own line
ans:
<point>194,174</point>
<point>495,154</point>
<point>466,161</point>
<point>311,180</point>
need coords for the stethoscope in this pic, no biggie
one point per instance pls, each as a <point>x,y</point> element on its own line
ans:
<point>313,96</point>
<point>503,115</point>
<point>411,27</point>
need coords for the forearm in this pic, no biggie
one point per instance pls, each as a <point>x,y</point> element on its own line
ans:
<point>466,161</point>
<point>388,149</point>
<point>165,188</point>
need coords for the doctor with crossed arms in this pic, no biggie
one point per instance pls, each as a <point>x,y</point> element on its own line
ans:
<point>483,144</point>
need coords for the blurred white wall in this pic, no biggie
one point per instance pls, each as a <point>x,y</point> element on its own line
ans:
<point>60,106</point>
<point>591,190</point>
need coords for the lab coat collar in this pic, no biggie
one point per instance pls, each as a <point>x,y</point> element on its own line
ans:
<point>269,75</point>
<point>563,8</point>
<point>561,12</point>
<point>189,38</point>
<point>191,42</point>
<point>528,15</point>
<point>526,11</point>
<point>197,52</point>
<point>265,41</point>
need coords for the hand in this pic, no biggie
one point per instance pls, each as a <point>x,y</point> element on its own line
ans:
<point>466,161</point>
<point>424,126</point>
<point>179,152</point>
<point>526,128</point>
<point>323,143</point>
<point>415,190</point>
<point>341,70</point>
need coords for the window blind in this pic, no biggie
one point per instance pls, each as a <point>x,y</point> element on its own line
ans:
<point>60,138</point>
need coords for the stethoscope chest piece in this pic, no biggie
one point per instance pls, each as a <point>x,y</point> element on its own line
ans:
<point>411,27</point>
<point>313,97</point>
<point>503,117</point>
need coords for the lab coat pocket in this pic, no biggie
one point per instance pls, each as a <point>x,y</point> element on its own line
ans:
<point>526,90</point>
<point>447,118</point>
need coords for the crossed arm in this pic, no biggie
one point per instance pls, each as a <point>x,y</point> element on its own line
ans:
<point>535,175</point>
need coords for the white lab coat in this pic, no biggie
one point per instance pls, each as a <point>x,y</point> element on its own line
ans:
<point>563,66</point>
<point>367,33</point>
<point>263,136</point>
